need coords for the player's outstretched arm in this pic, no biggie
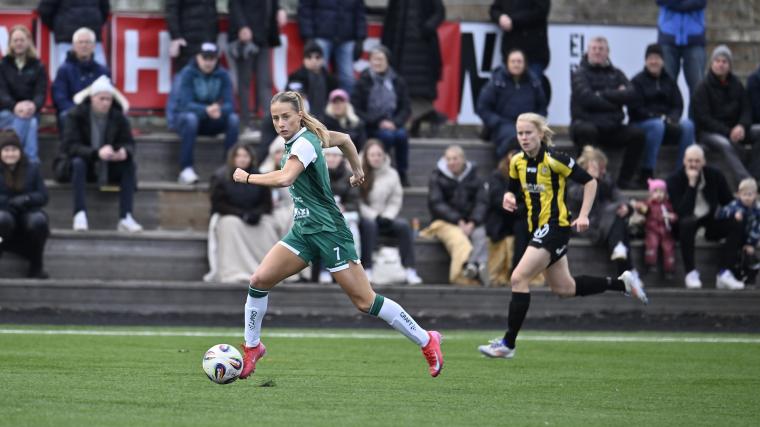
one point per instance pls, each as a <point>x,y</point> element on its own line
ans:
<point>280,178</point>
<point>589,194</point>
<point>347,147</point>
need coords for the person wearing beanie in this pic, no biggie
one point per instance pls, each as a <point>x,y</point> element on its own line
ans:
<point>658,228</point>
<point>97,146</point>
<point>312,80</point>
<point>341,117</point>
<point>657,110</point>
<point>681,33</point>
<point>23,225</point>
<point>723,116</point>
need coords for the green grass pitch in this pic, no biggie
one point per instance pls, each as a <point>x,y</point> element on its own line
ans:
<point>88,376</point>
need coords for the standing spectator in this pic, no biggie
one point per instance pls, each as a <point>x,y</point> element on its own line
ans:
<point>745,210</point>
<point>511,91</point>
<point>190,23</point>
<point>697,191</point>
<point>77,73</point>
<point>599,92</point>
<point>23,88</point>
<point>204,107</point>
<point>382,101</point>
<point>340,117</point>
<point>658,228</point>
<point>23,224</point>
<point>524,24</point>
<point>241,229</point>
<point>753,89</point>
<point>66,17</point>
<point>381,201</point>
<point>458,211</point>
<point>98,146</point>
<point>312,80</point>
<point>254,31</point>
<point>657,110</point>
<point>499,226</point>
<point>342,41</point>
<point>723,115</point>
<point>410,32</point>
<point>681,33</point>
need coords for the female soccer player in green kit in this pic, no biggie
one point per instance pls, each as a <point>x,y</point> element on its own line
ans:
<point>319,230</point>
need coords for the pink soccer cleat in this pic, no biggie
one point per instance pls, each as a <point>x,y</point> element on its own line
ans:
<point>433,354</point>
<point>251,355</point>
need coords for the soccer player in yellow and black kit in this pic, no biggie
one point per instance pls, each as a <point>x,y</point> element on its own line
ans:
<point>540,177</point>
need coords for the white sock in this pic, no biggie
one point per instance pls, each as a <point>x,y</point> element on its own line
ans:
<point>400,320</point>
<point>255,309</point>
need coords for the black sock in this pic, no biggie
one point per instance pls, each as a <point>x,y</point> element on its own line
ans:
<point>518,308</point>
<point>589,285</point>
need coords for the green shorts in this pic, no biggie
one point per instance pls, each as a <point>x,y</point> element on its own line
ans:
<point>335,249</point>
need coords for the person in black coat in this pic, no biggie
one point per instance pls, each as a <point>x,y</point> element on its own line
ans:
<point>190,23</point>
<point>23,88</point>
<point>381,99</point>
<point>599,92</point>
<point>753,90</point>
<point>723,115</point>
<point>340,117</point>
<point>657,110</point>
<point>65,17</point>
<point>511,91</point>
<point>247,202</point>
<point>342,41</point>
<point>696,192</point>
<point>23,225</point>
<point>313,80</point>
<point>500,225</point>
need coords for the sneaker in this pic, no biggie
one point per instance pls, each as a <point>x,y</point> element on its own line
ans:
<point>433,354</point>
<point>619,252</point>
<point>485,279</point>
<point>726,280</point>
<point>251,355</point>
<point>692,280</point>
<point>633,286</point>
<point>188,176</point>
<point>412,278</point>
<point>129,225</point>
<point>470,270</point>
<point>325,277</point>
<point>80,221</point>
<point>497,349</point>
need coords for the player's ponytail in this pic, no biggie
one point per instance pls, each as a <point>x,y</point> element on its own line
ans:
<point>540,123</point>
<point>308,121</point>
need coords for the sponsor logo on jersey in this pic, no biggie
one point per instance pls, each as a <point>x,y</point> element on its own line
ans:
<point>532,169</point>
<point>535,188</point>
<point>300,213</point>
<point>544,170</point>
<point>541,232</point>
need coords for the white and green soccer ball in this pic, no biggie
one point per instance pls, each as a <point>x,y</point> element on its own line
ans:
<point>222,363</point>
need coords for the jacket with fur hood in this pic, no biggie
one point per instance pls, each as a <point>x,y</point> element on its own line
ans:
<point>453,198</point>
<point>77,132</point>
<point>386,196</point>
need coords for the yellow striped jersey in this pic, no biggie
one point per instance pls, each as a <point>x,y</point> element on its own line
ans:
<point>541,181</point>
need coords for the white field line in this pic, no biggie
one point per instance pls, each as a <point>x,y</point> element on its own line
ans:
<point>359,335</point>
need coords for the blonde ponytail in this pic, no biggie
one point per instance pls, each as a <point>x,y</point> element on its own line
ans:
<point>308,121</point>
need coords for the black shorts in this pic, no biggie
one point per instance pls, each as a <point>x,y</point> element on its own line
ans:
<point>552,238</point>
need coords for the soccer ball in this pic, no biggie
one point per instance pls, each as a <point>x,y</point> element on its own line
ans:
<point>222,363</point>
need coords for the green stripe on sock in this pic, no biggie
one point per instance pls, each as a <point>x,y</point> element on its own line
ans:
<point>377,304</point>
<point>256,293</point>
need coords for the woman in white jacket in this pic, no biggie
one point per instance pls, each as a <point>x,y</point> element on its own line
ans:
<point>380,204</point>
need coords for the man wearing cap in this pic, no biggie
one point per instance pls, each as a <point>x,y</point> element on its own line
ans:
<point>204,107</point>
<point>723,116</point>
<point>98,142</point>
<point>657,110</point>
<point>312,80</point>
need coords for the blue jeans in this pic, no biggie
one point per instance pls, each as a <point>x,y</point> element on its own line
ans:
<point>189,126</point>
<point>26,129</point>
<point>399,141</point>
<point>694,58</point>
<point>654,131</point>
<point>344,61</point>
<point>122,172</point>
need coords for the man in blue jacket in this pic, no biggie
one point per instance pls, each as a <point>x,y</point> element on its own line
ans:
<point>204,107</point>
<point>681,32</point>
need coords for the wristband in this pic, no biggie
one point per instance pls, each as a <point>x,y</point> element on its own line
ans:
<point>246,179</point>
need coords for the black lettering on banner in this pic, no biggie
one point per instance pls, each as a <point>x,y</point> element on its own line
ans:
<point>577,49</point>
<point>470,67</point>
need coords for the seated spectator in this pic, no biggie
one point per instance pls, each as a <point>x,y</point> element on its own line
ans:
<point>658,228</point>
<point>458,210</point>
<point>657,111</point>
<point>23,88</point>
<point>744,208</point>
<point>66,17</point>
<point>599,92</point>
<point>313,80</point>
<point>381,199</point>
<point>76,73</point>
<point>204,107</point>
<point>382,101</point>
<point>190,23</point>
<point>753,89</point>
<point>282,203</point>
<point>241,230</point>
<point>500,226</point>
<point>723,115</point>
<point>697,191</point>
<point>23,224</point>
<point>340,117</point>
<point>98,146</point>
<point>609,212</point>
<point>512,90</point>
<point>681,33</point>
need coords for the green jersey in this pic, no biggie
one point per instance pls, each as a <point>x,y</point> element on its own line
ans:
<point>315,209</point>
